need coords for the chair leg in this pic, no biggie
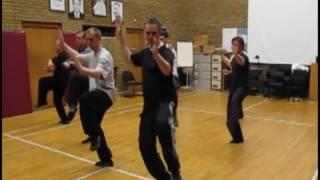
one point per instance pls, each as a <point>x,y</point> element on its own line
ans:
<point>133,90</point>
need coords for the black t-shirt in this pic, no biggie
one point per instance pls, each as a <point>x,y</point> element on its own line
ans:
<point>240,74</point>
<point>60,74</point>
<point>157,87</point>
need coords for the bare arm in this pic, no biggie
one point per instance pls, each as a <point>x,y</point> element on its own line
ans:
<point>240,60</point>
<point>164,66</point>
<point>95,73</point>
<point>74,55</point>
<point>226,60</point>
<point>125,49</point>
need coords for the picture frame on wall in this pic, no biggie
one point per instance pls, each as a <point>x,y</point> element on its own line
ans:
<point>99,7</point>
<point>116,11</point>
<point>76,9</point>
<point>57,5</point>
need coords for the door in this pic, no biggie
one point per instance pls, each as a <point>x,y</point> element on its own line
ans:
<point>135,40</point>
<point>40,41</point>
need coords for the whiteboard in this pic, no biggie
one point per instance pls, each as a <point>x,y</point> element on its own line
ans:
<point>276,42</point>
<point>185,54</point>
<point>227,35</point>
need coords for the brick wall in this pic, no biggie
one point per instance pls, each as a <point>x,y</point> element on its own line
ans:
<point>184,18</point>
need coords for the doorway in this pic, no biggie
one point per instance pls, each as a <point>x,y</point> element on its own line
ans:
<point>40,42</point>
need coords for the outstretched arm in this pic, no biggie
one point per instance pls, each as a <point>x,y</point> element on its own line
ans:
<point>125,49</point>
<point>226,60</point>
<point>75,56</point>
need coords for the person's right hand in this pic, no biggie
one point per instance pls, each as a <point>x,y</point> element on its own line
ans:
<point>61,38</point>
<point>117,24</point>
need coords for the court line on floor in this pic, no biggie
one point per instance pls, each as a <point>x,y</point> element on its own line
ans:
<point>281,121</point>
<point>194,93</point>
<point>30,127</point>
<point>74,156</point>
<point>89,174</point>
<point>51,123</point>
<point>69,125</point>
<point>110,115</point>
<point>315,175</point>
<point>219,113</point>
<point>256,104</point>
<point>249,117</point>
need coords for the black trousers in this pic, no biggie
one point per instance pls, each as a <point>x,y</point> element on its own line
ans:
<point>51,83</point>
<point>93,105</point>
<point>45,85</point>
<point>234,112</point>
<point>78,84</point>
<point>158,122</point>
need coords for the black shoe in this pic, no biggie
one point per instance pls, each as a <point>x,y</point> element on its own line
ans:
<point>87,140</point>
<point>71,114</point>
<point>176,176</point>
<point>236,141</point>
<point>241,115</point>
<point>175,122</point>
<point>95,143</point>
<point>104,163</point>
<point>63,122</point>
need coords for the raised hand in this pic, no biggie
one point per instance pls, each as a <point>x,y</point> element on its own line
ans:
<point>61,38</point>
<point>154,44</point>
<point>117,24</point>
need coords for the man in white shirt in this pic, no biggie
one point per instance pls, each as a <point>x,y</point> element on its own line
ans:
<point>101,94</point>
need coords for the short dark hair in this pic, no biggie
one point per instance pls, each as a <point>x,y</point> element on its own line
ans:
<point>240,40</point>
<point>164,31</point>
<point>153,20</point>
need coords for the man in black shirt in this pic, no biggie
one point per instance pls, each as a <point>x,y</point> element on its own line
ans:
<point>158,93</point>
<point>239,65</point>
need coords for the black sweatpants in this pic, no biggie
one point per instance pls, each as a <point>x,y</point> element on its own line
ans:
<point>45,85</point>
<point>51,83</point>
<point>234,111</point>
<point>58,101</point>
<point>93,105</point>
<point>158,122</point>
<point>78,84</point>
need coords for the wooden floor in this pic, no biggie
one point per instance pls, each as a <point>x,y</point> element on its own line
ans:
<point>280,142</point>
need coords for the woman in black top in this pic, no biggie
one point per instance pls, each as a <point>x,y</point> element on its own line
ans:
<point>239,65</point>
<point>58,83</point>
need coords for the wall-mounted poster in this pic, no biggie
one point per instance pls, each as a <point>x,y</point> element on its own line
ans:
<point>76,9</point>
<point>99,7</point>
<point>116,10</point>
<point>57,5</point>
